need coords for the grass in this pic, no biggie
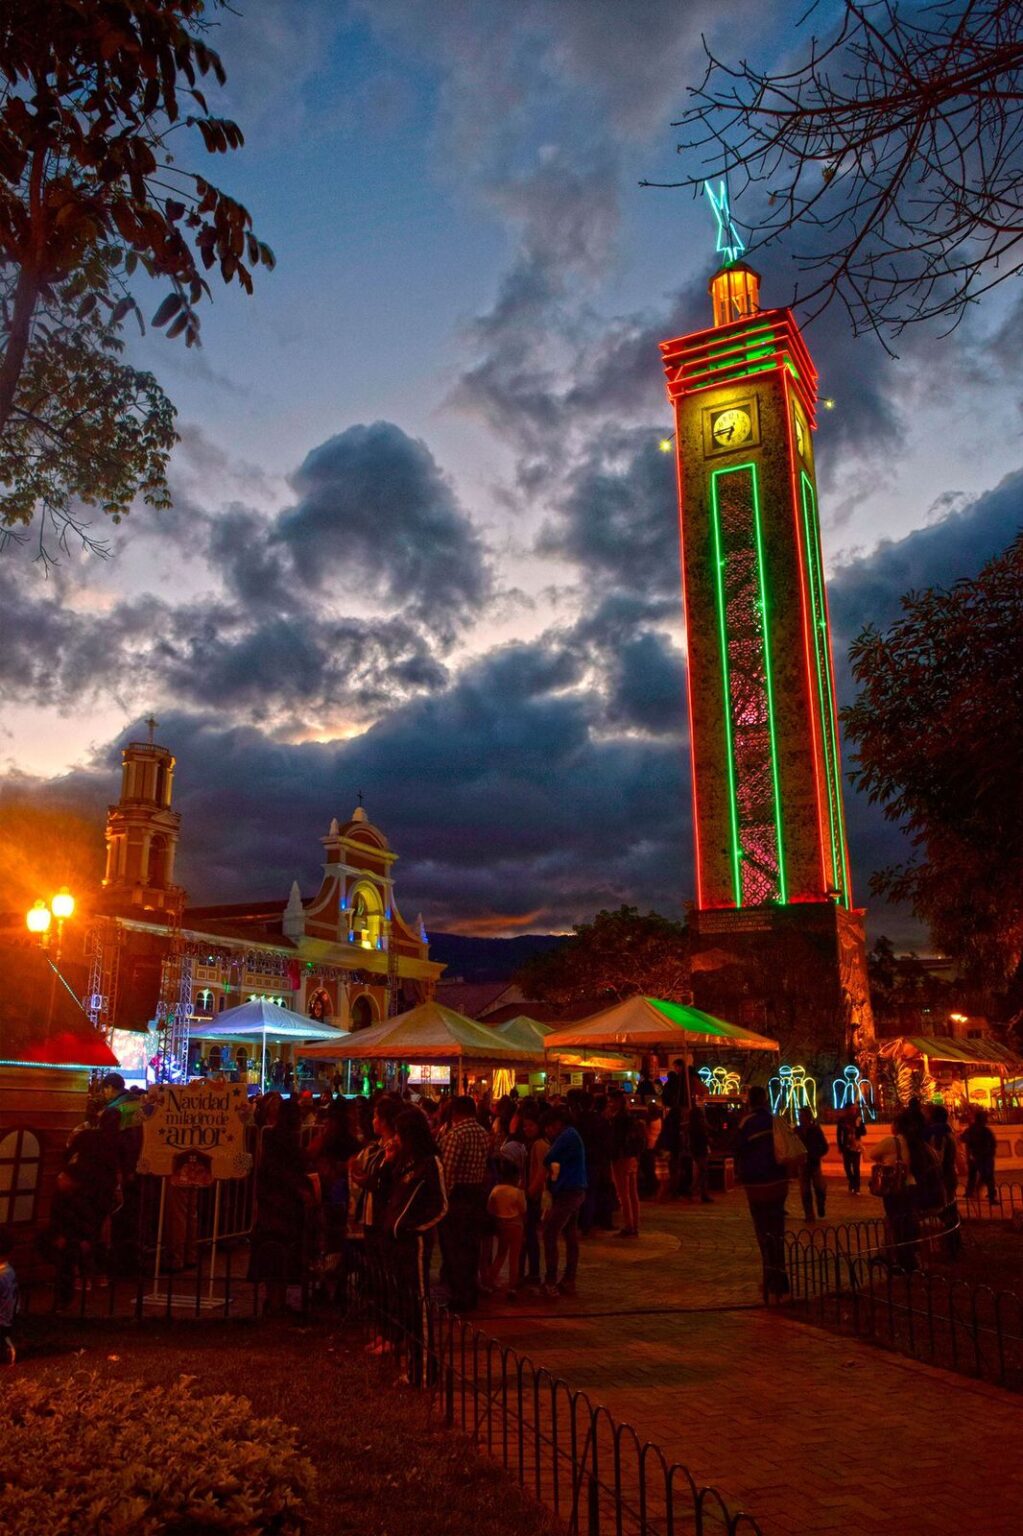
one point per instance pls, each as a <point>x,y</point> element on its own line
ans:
<point>385,1466</point>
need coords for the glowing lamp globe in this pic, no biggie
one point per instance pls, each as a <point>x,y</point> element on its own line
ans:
<point>63,904</point>
<point>38,919</point>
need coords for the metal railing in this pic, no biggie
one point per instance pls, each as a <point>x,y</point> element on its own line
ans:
<point>598,1475</point>
<point>1007,1208</point>
<point>858,1279</point>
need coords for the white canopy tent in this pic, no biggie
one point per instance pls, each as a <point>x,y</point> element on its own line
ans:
<point>261,1020</point>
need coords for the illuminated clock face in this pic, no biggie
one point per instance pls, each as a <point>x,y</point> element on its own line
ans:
<point>730,428</point>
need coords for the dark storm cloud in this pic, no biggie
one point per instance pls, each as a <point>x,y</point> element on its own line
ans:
<point>377,527</point>
<point>500,790</point>
<point>868,590</point>
<point>618,520</point>
<point>376,512</point>
<point>647,686</point>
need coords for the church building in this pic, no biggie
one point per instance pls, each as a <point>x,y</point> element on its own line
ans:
<point>343,955</point>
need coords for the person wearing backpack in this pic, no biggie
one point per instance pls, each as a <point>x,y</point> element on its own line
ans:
<point>811,1176</point>
<point>766,1181</point>
<point>628,1143</point>
<point>894,1180</point>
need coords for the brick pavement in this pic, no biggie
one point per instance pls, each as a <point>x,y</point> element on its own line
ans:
<point>809,1432</point>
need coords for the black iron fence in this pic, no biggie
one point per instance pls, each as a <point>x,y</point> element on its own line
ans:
<point>857,1279</point>
<point>1007,1208</point>
<point>598,1475</point>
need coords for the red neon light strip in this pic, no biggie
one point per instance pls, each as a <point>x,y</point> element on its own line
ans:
<point>818,781</point>
<point>689,667</point>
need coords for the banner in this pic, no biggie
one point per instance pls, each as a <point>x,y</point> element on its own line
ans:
<point>195,1132</point>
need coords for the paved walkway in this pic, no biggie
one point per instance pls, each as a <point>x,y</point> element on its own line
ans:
<point>809,1432</point>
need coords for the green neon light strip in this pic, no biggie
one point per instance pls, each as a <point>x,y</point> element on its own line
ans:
<point>719,573</point>
<point>751,469</point>
<point>825,686</point>
<point>782,883</point>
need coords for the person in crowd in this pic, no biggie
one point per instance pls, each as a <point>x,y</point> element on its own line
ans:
<point>673,1092</point>
<point>416,1205</point>
<point>628,1142</point>
<point>284,1200</point>
<point>646,1089</point>
<point>537,1147</point>
<point>670,1147</point>
<point>979,1141</point>
<point>506,1207</point>
<point>811,1174</point>
<point>904,1191</point>
<point>8,1298</point>
<point>566,1165</point>
<point>464,1150</point>
<point>370,1175</point>
<point>654,1119</point>
<point>328,1155</point>
<point>941,1137</point>
<point>850,1132</point>
<point>766,1182</point>
<point>699,1151</point>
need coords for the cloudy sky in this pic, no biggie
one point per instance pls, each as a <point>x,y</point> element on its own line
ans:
<point>423,543</point>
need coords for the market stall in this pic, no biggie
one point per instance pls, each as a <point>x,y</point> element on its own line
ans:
<point>642,1026</point>
<point>432,1033</point>
<point>961,1072</point>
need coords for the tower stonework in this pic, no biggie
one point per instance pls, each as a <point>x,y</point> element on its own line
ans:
<point>142,836</point>
<point>772,866</point>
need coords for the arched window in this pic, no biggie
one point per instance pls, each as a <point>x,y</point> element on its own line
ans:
<point>366,916</point>
<point>20,1162</point>
<point>363,1013</point>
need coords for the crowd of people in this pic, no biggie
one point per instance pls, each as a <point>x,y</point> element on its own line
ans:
<point>502,1190</point>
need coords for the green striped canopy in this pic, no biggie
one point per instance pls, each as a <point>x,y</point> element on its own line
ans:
<point>649,1023</point>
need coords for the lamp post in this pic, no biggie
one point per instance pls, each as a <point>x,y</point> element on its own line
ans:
<point>39,920</point>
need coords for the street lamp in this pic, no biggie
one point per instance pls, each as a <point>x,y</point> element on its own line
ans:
<point>39,921</point>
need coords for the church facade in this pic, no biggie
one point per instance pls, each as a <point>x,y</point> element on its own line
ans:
<point>344,955</point>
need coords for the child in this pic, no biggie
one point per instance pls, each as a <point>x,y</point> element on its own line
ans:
<point>507,1207</point>
<point>8,1297</point>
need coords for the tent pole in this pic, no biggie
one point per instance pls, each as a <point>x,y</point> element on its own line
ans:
<point>262,1067</point>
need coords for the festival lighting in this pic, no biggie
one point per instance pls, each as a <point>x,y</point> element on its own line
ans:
<point>39,918</point>
<point>852,1088</point>
<point>63,904</point>
<point>729,241</point>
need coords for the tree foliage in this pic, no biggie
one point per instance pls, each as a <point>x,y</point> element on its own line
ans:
<point>894,148</point>
<point>616,955</point>
<point>938,730</point>
<point>94,98</point>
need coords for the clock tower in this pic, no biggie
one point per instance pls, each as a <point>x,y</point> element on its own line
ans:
<point>772,865</point>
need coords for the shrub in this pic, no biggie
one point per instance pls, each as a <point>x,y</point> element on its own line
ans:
<point>125,1459</point>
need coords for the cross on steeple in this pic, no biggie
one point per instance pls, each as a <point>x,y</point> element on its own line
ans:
<point>151,725</point>
<point>359,797</point>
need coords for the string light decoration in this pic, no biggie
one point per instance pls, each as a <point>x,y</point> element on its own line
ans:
<point>791,1090</point>
<point>720,1082</point>
<point>852,1088</point>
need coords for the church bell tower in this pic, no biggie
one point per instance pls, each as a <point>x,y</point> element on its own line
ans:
<point>769,821</point>
<point>142,835</point>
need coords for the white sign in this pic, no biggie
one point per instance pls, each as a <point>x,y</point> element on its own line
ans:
<point>429,1074</point>
<point>195,1132</point>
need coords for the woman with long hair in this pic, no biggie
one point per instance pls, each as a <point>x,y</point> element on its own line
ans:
<point>416,1204</point>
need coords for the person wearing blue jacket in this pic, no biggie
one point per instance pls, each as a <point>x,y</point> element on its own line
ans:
<point>566,1165</point>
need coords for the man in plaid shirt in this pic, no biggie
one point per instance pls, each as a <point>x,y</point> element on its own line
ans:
<point>464,1149</point>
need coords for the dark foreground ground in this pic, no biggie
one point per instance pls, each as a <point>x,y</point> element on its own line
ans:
<point>385,1467</point>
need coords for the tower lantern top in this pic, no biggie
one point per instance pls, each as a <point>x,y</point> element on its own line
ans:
<point>735,292</point>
